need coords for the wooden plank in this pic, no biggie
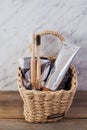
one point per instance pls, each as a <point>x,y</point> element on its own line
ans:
<point>78,108</point>
<point>65,124</point>
<point>11,105</point>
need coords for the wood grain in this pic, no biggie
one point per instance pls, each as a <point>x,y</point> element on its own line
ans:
<point>65,124</point>
<point>11,114</point>
<point>11,106</point>
<point>78,108</point>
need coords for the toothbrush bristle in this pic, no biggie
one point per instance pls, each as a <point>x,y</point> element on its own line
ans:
<point>38,39</point>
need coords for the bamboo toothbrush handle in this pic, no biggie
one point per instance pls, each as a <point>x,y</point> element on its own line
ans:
<point>38,68</point>
<point>38,40</point>
<point>32,64</point>
<point>32,67</point>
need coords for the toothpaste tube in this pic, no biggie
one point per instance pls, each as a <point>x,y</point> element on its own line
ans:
<point>61,65</point>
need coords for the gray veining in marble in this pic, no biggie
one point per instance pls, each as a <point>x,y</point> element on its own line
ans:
<point>20,17</point>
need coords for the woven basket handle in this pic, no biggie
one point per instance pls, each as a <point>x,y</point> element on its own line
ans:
<point>57,34</point>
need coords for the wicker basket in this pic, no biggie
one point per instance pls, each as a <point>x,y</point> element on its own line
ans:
<point>47,106</point>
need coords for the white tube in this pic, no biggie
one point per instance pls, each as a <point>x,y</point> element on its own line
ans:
<point>62,64</point>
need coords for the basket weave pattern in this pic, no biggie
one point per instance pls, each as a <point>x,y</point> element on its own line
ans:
<point>39,106</point>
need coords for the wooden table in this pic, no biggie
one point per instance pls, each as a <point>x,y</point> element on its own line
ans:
<point>11,117</point>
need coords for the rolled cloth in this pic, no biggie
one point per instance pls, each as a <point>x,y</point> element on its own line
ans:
<point>46,66</point>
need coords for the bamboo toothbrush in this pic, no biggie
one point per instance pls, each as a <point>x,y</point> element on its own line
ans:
<point>32,66</point>
<point>38,80</point>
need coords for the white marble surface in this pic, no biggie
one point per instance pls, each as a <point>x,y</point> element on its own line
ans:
<point>20,17</point>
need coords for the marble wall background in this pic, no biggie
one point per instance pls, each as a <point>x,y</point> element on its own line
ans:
<point>20,17</point>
